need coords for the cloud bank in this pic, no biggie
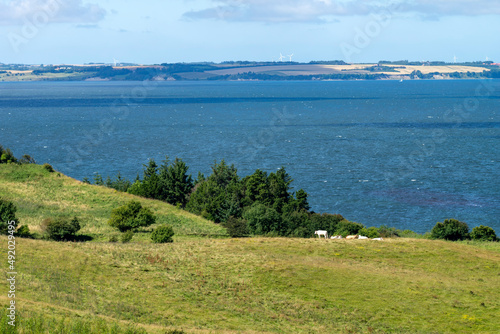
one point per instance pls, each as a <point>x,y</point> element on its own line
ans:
<point>14,12</point>
<point>319,10</point>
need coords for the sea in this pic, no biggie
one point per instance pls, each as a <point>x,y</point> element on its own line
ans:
<point>402,154</point>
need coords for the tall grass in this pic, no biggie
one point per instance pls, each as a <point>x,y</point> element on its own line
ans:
<point>29,322</point>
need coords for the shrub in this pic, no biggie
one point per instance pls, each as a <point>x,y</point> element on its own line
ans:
<point>327,221</point>
<point>48,168</point>
<point>346,227</point>
<point>6,156</point>
<point>301,232</point>
<point>410,234</point>
<point>163,234</point>
<point>26,159</point>
<point>483,233</point>
<point>127,236</point>
<point>370,232</point>
<point>388,232</point>
<point>113,238</point>
<point>7,214</point>
<point>236,228</point>
<point>23,232</point>
<point>61,228</point>
<point>131,216</point>
<point>450,229</point>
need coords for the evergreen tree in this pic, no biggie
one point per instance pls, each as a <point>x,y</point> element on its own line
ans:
<point>7,214</point>
<point>151,181</point>
<point>175,183</point>
<point>218,196</point>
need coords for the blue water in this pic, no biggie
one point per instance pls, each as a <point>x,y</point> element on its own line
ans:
<point>404,154</point>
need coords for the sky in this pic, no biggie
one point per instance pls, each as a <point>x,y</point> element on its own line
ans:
<point>160,31</point>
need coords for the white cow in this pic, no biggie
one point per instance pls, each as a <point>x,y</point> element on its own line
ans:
<point>377,239</point>
<point>320,233</point>
<point>362,237</point>
<point>336,237</point>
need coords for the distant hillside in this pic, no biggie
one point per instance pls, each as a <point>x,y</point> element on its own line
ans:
<point>243,70</point>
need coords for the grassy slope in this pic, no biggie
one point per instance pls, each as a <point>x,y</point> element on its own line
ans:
<point>249,285</point>
<point>39,194</point>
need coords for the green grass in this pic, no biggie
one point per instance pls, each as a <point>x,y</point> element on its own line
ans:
<point>39,194</point>
<point>222,285</point>
<point>273,285</point>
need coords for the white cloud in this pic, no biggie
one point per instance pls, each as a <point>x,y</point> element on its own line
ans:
<point>14,12</point>
<point>317,10</point>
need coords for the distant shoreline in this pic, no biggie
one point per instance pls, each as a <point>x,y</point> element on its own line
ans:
<point>250,71</point>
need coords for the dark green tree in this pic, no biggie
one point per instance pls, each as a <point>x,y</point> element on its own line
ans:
<point>98,181</point>
<point>175,183</point>
<point>450,229</point>
<point>279,188</point>
<point>7,214</point>
<point>257,188</point>
<point>151,181</point>
<point>217,197</point>
<point>483,233</point>
<point>263,220</point>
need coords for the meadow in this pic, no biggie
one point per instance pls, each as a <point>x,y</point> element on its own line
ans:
<point>205,282</point>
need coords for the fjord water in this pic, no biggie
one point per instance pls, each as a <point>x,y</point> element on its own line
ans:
<point>403,154</point>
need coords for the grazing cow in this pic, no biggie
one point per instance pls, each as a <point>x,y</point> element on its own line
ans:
<point>320,233</point>
<point>336,237</point>
<point>349,237</point>
<point>362,237</point>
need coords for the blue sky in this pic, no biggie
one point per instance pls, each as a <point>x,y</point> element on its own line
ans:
<point>154,31</point>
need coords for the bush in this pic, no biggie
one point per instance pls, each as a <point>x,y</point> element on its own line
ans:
<point>410,234</point>
<point>483,233</point>
<point>6,156</point>
<point>346,227</point>
<point>7,214</point>
<point>23,232</point>
<point>236,228</point>
<point>163,234</point>
<point>388,232</point>
<point>131,216</point>
<point>371,232</point>
<point>450,229</point>
<point>113,238</point>
<point>127,236</point>
<point>61,228</point>
<point>48,168</point>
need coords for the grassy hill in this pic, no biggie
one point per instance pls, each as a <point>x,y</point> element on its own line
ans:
<point>222,285</point>
<point>39,194</point>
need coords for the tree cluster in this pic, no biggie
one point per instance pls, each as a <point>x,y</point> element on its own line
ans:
<point>453,230</point>
<point>6,156</point>
<point>259,204</point>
